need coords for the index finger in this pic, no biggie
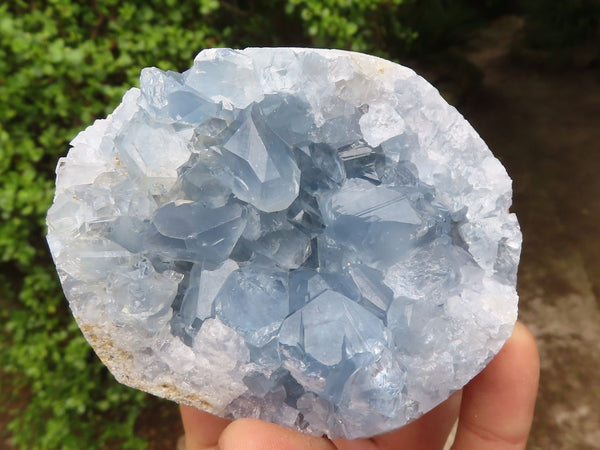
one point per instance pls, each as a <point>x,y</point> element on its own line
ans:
<point>497,405</point>
<point>202,430</point>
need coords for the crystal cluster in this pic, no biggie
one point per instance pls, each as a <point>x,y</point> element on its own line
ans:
<point>310,237</point>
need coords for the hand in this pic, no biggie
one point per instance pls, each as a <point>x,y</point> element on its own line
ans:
<point>494,412</point>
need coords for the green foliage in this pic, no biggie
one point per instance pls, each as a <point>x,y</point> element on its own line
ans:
<point>63,64</point>
<point>360,25</point>
<point>444,23</point>
<point>62,377</point>
<point>553,24</point>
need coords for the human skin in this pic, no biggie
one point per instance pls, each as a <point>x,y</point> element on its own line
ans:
<point>494,412</point>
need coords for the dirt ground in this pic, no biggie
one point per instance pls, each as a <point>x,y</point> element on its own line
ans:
<point>545,128</point>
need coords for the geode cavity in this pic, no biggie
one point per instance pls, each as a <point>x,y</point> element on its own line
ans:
<point>310,237</point>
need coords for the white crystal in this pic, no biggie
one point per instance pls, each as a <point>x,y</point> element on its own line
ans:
<point>310,237</point>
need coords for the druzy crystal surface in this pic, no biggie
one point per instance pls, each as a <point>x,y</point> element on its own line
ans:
<point>310,237</point>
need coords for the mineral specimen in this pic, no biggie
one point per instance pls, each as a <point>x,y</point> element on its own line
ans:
<point>310,237</point>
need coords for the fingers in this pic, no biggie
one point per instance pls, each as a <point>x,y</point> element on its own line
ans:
<point>428,432</point>
<point>252,434</point>
<point>497,405</point>
<point>202,430</point>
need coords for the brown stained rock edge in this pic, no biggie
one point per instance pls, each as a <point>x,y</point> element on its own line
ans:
<point>119,361</point>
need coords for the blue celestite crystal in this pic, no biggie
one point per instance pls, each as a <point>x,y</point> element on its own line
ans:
<point>310,237</point>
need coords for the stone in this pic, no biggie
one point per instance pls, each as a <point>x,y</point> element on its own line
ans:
<point>310,237</point>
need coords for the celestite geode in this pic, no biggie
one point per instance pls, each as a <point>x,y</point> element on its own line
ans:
<point>310,237</point>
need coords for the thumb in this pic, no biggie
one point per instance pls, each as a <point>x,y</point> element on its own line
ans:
<point>252,434</point>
